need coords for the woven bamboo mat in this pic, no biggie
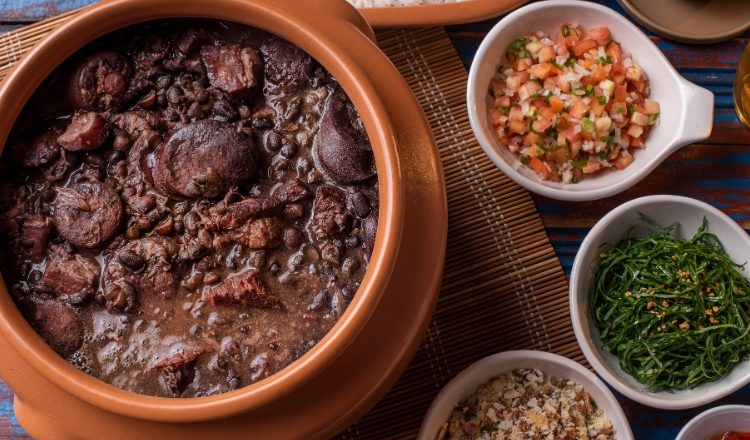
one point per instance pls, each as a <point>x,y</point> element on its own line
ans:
<point>503,287</point>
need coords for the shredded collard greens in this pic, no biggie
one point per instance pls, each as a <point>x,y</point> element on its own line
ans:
<point>674,312</point>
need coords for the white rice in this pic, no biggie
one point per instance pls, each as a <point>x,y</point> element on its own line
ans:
<point>384,3</point>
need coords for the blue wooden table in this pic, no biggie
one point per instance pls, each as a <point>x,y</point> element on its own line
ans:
<point>716,171</point>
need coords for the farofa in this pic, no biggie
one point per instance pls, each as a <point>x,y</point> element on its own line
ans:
<point>526,404</point>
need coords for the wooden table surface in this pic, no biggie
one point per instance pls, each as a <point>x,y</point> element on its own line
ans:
<point>716,171</point>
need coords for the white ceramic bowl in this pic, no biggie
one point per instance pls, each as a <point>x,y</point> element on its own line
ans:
<point>686,109</point>
<point>610,230</point>
<point>463,385</point>
<point>715,421</point>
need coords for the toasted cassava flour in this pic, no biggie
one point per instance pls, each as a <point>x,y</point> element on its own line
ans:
<point>527,404</point>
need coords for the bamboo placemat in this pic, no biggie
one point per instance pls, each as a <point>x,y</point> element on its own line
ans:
<point>503,287</point>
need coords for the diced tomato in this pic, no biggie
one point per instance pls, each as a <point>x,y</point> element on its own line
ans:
<point>620,93</point>
<point>591,167</point>
<point>578,110</point>
<point>600,74</point>
<point>541,125</point>
<point>596,108</point>
<point>583,46</point>
<point>517,126</point>
<point>615,51</point>
<point>571,135</point>
<point>541,70</point>
<point>623,160</point>
<point>619,107</point>
<point>515,114</point>
<point>560,155</point>
<point>536,164</point>
<point>556,104</point>
<point>523,64</point>
<point>547,113</point>
<point>530,139</point>
<point>503,101</point>
<point>546,53</point>
<point>636,142</point>
<point>563,84</point>
<point>600,34</point>
<point>575,147</point>
<point>495,117</point>
<point>513,82</point>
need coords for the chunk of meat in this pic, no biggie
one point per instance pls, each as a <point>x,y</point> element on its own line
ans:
<point>88,213</point>
<point>233,215</point>
<point>148,264</point>
<point>330,219</point>
<point>100,82</point>
<point>286,66</point>
<point>245,289</point>
<point>292,191</point>
<point>36,230</point>
<point>86,131</point>
<point>137,122</point>
<point>203,159</point>
<point>57,324</point>
<point>70,274</point>
<point>40,150</point>
<point>262,233</point>
<point>178,371</point>
<point>232,68</point>
<point>341,145</point>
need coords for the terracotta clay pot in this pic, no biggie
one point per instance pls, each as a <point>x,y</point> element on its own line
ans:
<point>325,389</point>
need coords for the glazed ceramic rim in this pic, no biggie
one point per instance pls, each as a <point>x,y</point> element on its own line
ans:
<point>506,361</point>
<point>700,418</point>
<point>717,389</point>
<point>644,20</point>
<point>438,14</point>
<point>693,126</point>
<point>274,17</point>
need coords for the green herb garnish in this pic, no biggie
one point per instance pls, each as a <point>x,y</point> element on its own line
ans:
<point>674,311</point>
<point>602,99</point>
<point>565,30</point>
<point>587,125</point>
<point>519,44</point>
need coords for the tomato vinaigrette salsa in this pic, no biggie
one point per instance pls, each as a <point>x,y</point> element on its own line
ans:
<point>573,106</point>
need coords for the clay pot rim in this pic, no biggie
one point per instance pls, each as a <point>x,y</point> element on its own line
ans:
<point>318,33</point>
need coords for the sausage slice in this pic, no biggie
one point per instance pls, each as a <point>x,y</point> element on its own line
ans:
<point>203,159</point>
<point>88,213</point>
<point>100,82</point>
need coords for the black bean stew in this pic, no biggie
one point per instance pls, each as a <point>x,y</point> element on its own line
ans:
<point>186,207</point>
